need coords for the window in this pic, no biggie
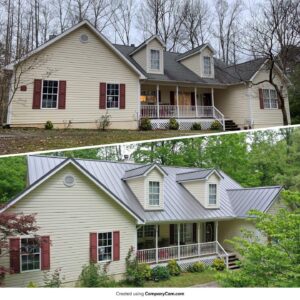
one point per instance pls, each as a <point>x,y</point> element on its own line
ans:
<point>105,246</point>
<point>186,233</point>
<point>30,254</point>
<point>50,94</point>
<point>212,194</point>
<point>112,95</point>
<point>155,63</point>
<point>148,97</point>
<point>147,231</point>
<point>153,193</point>
<point>270,99</point>
<point>207,65</point>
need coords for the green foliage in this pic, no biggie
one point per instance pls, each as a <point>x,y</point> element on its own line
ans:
<point>32,284</point>
<point>218,264</point>
<point>160,273</point>
<point>49,125</point>
<point>104,122</point>
<point>215,125</point>
<point>197,267</point>
<point>294,96</point>
<point>173,267</point>
<point>93,276</point>
<point>173,124</point>
<point>196,126</point>
<point>53,280</point>
<point>145,124</point>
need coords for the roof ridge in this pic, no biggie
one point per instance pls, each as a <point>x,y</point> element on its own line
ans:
<point>255,188</point>
<point>204,169</point>
<point>245,62</point>
<point>147,165</point>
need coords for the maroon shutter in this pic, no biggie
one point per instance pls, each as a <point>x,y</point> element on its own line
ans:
<point>14,253</point>
<point>172,98</point>
<point>193,98</point>
<point>116,245</point>
<point>45,253</point>
<point>261,98</point>
<point>122,96</point>
<point>102,96</point>
<point>37,94</point>
<point>62,94</point>
<point>172,234</point>
<point>93,248</point>
<point>194,232</point>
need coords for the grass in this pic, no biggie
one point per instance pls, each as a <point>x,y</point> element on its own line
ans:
<point>20,140</point>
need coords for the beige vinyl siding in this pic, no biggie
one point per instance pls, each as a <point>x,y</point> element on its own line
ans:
<point>83,66</point>
<point>68,215</point>
<point>141,58</point>
<point>193,63</point>
<point>155,45</point>
<point>137,187</point>
<point>278,204</point>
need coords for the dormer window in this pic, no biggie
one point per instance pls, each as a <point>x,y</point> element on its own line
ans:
<point>155,61</point>
<point>154,192</point>
<point>207,65</point>
<point>212,194</point>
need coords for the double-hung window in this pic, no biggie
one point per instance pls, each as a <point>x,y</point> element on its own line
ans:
<point>50,94</point>
<point>146,231</point>
<point>155,62</point>
<point>154,192</point>
<point>270,98</point>
<point>212,190</point>
<point>30,254</point>
<point>105,248</point>
<point>112,95</point>
<point>207,65</point>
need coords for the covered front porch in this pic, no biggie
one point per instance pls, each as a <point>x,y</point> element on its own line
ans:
<point>159,243</point>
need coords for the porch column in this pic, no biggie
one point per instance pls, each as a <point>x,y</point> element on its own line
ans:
<point>216,235</point>
<point>157,100</point>
<point>177,101</point>
<point>199,237</point>
<point>156,243</point>
<point>213,101</point>
<point>196,102</point>
<point>178,240</point>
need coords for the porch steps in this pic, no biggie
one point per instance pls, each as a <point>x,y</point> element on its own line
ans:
<point>231,126</point>
<point>233,262</point>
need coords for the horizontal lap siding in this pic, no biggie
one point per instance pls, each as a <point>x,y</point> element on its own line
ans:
<point>68,215</point>
<point>83,66</point>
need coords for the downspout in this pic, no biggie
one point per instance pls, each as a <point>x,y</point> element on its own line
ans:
<point>138,104</point>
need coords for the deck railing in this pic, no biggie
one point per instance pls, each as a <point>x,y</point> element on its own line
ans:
<point>155,255</point>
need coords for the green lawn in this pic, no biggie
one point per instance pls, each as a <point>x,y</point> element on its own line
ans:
<point>19,140</point>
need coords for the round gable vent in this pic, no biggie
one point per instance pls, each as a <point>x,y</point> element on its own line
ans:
<point>69,180</point>
<point>84,38</point>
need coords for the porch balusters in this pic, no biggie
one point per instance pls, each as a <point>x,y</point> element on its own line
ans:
<point>198,238</point>
<point>157,100</point>
<point>178,240</point>
<point>156,243</point>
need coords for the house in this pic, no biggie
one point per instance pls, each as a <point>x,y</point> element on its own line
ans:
<point>79,76</point>
<point>89,210</point>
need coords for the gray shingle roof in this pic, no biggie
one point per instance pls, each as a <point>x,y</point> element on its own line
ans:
<point>179,203</point>
<point>190,52</point>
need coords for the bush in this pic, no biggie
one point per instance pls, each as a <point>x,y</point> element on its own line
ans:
<point>218,264</point>
<point>160,273</point>
<point>53,280</point>
<point>197,267</point>
<point>216,126</point>
<point>173,124</point>
<point>104,121</point>
<point>93,276</point>
<point>145,124</point>
<point>173,268</point>
<point>196,126</point>
<point>32,284</point>
<point>49,125</point>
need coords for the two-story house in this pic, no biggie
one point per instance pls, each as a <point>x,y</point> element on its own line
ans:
<point>79,76</point>
<point>89,210</point>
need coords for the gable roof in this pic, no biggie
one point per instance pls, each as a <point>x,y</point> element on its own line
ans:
<point>197,175</point>
<point>146,42</point>
<point>194,51</point>
<point>70,30</point>
<point>142,171</point>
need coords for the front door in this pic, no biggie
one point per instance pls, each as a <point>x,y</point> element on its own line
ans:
<point>207,99</point>
<point>209,232</point>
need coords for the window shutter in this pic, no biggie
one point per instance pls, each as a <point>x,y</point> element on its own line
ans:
<point>116,245</point>
<point>93,247</point>
<point>45,253</point>
<point>102,98</point>
<point>172,232</point>
<point>62,94</point>
<point>194,232</point>
<point>261,98</point>
<point>14,253</point>
<point>122,96</point>
<point>37,94</point>
<point>172,97</point>
<point>193,98</point>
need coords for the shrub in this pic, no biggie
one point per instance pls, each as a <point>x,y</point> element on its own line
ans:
<point>218,264</point>
<point>32,284</point>
<point>145,124</point>
<point>196,126</point>
<point>197,267</point>
<point>104,121</point>
<point>49,125</point>
<point>215,126</point>
<point>173,124</point>
<point>53,280</point>
<point>173,268</point>
<point>160,273</point>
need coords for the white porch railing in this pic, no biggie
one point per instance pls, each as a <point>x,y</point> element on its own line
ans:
<point>155,255</point>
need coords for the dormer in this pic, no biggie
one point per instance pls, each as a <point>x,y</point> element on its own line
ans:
<point>150,55</point>
<point>147,183</point>
<point>200,60</point>
<point>204,185</point>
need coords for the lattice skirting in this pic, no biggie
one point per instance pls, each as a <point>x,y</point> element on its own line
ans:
<point>184,124</point>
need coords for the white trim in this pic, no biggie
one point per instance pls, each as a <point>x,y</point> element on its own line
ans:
<point>112,108</point>
<point>112,247</point>
<point>147,172</point>
<point>250,104</point>
<point>40,255</point>
<point>199,51</point>
<point>157,99</point>
<point>145,43</point>
<point>42,94</point>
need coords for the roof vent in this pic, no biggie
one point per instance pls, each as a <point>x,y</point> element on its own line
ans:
<point>132,45</point>
<point>84,38</point>
<point>69,180</point>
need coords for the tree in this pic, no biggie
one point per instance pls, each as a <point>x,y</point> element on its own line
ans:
<point>294,96</point>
